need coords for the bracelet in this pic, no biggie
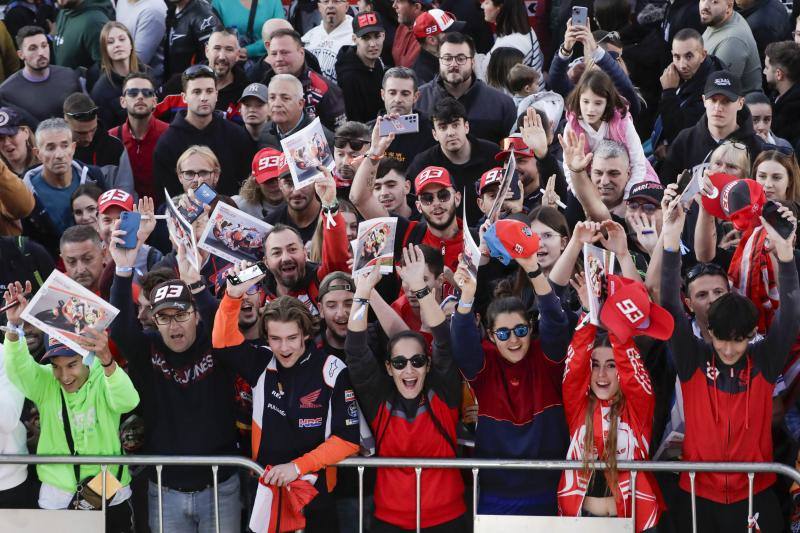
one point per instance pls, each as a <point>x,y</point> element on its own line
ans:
<point>535,273</point>
<point>197,285</point>
<point>363,301</point>
<point>11,328</point>
<point>123,270</point>
<point>107,365</point>
<point>465,305</point>
<point>331,208</point>
<point>374,158</point>
<point>575,171</point>
<point>564,51</point>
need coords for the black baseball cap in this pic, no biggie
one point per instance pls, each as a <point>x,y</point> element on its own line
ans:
<point>724,83</point>
<point>172,294</point>
<point>365,23</point>
<point>10,121</point>
<point>651,191</point>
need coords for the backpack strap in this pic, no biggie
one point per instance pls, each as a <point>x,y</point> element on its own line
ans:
<point>252,18</point>
<point>68,434</point>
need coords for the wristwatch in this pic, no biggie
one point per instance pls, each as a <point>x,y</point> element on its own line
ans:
<point>535,273</point>
<point>197,285</point>
<point>422,293</point>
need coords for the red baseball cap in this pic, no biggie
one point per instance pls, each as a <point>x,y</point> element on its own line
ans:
<point>628,311</point>
<point>513,144</point>
<point>268,164</point>
<point>491,177</point>
<point>432,176</point>
<point>115,197</point>
<point>436,21</point>
<point>509,238</point>
<point>738,200</point>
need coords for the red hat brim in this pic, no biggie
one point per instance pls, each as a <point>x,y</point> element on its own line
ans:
<point>713,206</point>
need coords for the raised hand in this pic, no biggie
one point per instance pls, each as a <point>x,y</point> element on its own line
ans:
<point>96,341</point>
<point>670,77</point>
<point>413,271</point>
<point>645,228</point>
<point>146,208</point>
<point>123,257</point>
<point>16,292</point>
<point>784,248</point>
<point>381,144</point>
<point>366,281</point>
<point>579,284</point>
<point>574,156</point>
<point>533,133</point>
<point>465,281</point>
<point>616,241</point>
<point>237,291</point>
<point>550,197</point>
<point>587,231</point>
<point>186,270</point>
<point>325,187</point>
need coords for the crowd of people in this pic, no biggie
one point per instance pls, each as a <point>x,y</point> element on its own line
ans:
<point>591,209</point>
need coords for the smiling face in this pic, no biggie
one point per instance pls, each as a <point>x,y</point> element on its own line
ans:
<point>605,380</point>
<point>551,244</point>
<point>287,341</point>
<point>84,211</point>
<point>70,372</point>
<point>409,381</point>
<point>438,214</point>
<point>248,312</point>
<point>83,262</point>
<point>118,45</point>
<point>286,257</point>
<point>592,107</point>
<point>335,310</point>
<point>774,178</point>
<point>391,190</point>
<point>200,96</point>
<point>178,336</point>
<point>514,348</point>
<point>610,177</point>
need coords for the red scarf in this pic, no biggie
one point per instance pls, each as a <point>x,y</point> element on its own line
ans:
<point>751,274</point>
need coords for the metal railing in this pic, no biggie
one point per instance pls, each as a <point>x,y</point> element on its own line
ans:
<point>475,465</point>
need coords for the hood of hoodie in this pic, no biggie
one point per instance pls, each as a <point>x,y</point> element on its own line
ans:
<point>180,122</point>
<point>91,5</point>
<point>348,61</point>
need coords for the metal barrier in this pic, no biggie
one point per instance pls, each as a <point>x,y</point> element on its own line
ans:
<point>418,465</point>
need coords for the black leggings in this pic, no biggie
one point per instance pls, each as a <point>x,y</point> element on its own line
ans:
<point>713,517</point>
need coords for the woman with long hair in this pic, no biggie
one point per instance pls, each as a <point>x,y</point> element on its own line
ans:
<point>500,64</point>
<point>779,174</point>
<point>117,60</point>
<point>16,150</point>
<point>512,29</point>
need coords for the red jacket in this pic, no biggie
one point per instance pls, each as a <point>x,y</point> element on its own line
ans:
<point>405,48</point>
<point>140,153</point>
<point>633,430</point>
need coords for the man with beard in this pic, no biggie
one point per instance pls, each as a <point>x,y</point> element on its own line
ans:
<point>140,132</point>
<point>491,113</point>
<point>429,28</point>
<point>300,210</point>
<point>82,253</point>
<point>335,301</point>
<point>782,72</point>
<point>289,271</point>
<point>465,157</point>
<point>334,32</point>
<point>77,36</point>
<point>94,146</point>
<point>39,89</point>
<point>254,110</point>
<point>728,37</point>
<point>529,167</point>
<point>350,142</point>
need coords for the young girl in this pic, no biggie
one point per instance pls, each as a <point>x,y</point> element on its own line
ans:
<point>609,404</point>
<point>597,110</point>
<point>117,60</point>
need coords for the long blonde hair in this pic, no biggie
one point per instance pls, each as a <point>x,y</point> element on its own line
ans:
<point>106,64</point>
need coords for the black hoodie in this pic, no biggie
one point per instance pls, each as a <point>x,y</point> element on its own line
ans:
<point>693,144</point>
<point>785,112</point>
<point>360,84</point>
<point>231,144</point>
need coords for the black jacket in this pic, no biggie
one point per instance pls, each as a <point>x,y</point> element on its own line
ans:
<point>405,148</point>
<point>693,144</point>
<point>465,177</point>
<point>229,142</point>
<point>323,97</point>
<point>104,149</point>
<point>426,66</point>
<point>360,84</point>
<point>769,21</point>
<point>679,108</point>
<point>187,34</point>
<point>785,113</point>
<point>261,70</point>
<point>106,93</point>
<point>270,138</point>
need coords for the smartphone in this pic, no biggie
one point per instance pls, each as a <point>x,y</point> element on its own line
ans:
<point>248,273</point>
<point>205,194</point>
<point>683,180</point>
<point>400,125</point>
<point>129,222</point>
<point>192,212</point>
<point>580,16</point>
<point>771,215</point>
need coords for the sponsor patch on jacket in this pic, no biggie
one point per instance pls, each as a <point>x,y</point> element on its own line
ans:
<point>310,422</point>
<point>352,410</point>
<point>349,395</point>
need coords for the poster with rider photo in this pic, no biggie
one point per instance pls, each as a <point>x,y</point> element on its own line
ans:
<point>180,230</point>
<point>509,170</point>
<point>234,235</point>
<point>597,264</point>
<point>305,151</point>
<point>62,308</point>
<point>375,246</point>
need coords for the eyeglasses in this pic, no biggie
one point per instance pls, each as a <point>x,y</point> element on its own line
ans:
<point>426,198</point>
<point>460,59</point>
<point>704,269</point>
<point>197,71</point>
<point>647,207</point>
<point>355,144</point>
<point>329,2</point>
<point>255,289</point>
<point>520,331</point>
<point>417,361</point>
<point>133,93</point>
<point>735,144</point>
<point>190,175</point>
<point>83,116</point>
<point>180,316</point>
<point>549,235</point>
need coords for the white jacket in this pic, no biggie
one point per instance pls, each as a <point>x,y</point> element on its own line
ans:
<point>527,43</point>
<point>325,46</point>
<point>12,430</point>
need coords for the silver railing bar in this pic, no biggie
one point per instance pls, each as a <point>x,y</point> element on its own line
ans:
<point>750,479</point>
<point>159,468</point>
<point>103,470</point>
<point>214,472</point>
<point>633,497</point>
<point>418,473</point>
<point>694,502</point>
<point>360,499</point>
<point>145,460</point>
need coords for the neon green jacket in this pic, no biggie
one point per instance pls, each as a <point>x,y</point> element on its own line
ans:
<point>94,412</point>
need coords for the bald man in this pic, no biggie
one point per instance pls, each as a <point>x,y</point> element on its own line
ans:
<point>260,70</point>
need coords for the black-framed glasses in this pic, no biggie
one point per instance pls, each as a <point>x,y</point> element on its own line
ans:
<point>647,207</point>
<point>520,331</point>
<point>426,198</point>
<point>135,92</point>
<point>199,70</point>
<point>190,175</point>
<point>355,144</point>
<point>399,362</point>
<point>460,59</point>
<point>180,316</point>
<point>83,116</point>
<point>705,269</point>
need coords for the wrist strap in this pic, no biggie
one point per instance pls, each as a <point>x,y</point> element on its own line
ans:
<point>123,270</point>
<point>107,365</point>
<point>466,305</point>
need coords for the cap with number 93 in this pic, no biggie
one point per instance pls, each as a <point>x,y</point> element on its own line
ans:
<point>172,294</point>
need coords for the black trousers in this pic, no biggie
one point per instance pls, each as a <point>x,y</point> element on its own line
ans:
<point>713,517</point>
<point>23,496</point>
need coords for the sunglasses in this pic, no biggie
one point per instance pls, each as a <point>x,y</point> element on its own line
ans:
<point>255,289</point>
<point>704,269</point>
<point>133,93</point>
<point>647,207</point>
<point>199,70</point>
<point>355,144</point>
<point>520,331</point>
<point>417,361</point>
<point>83,116</point>
<point>426,198</point>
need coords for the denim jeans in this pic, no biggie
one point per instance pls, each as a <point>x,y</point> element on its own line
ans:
<point>193,512</point>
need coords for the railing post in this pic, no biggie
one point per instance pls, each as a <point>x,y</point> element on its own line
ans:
<point>103,470</point>
<point>750,520</point>
<point>694,503</point>
<point>418,472</point>
<point>214,473</point>
<point>159,468</point>
<point>633,497</point>
<point>474,495</point>
<point>360,499</point>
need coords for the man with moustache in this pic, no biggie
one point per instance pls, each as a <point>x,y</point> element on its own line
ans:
<point>359,68</point>
<point>350,142</point>
<point>334,32</point>
<point>728,37</point>
<point>39,88</point>
<point>82,254</point>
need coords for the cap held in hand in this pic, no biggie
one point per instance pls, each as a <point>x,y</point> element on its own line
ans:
<point>628,311</point>
<point>738,200</point>
<point>509,239</point>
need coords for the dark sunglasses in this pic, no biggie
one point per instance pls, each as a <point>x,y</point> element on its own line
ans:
<point>704,269</point>
<point>647,207</point>
<point>426,198</point>
<point>133,93</point>
<point>417,361</point>
<point>83,116</point>
<point>199,70</point>
<point>520,331</point>
<point>355,144</point>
